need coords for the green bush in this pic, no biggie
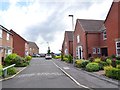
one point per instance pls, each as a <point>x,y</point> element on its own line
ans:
<point>57,57</point>
<point>28,58</point>
<point>11,71</point>
<point>70,59</point>
<point>0,70</point>
<point>118,66</point>
<point>65,59</point>
<point>112,72</point>
<point>9,59</point>
<point>109,61</point>
<point>102,64</point>
<point>91,67</point>
<point>117,62</point>
<point>78,63</point>
<point>97,60</point>
<point>84,63</point>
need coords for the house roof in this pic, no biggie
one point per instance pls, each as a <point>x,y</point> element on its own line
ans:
<point>32,44</point>
<point>5,29</point>
<point>13,32</point>
<point>70,35</point>
<point>91,25</point>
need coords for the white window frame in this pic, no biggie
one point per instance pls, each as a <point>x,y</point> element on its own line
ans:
<point>78,39</point>
<point>1,33</point>
<point>98,50</point>
<point>66,51</point>
<point>94,50</point>
<point>66,44</point>
<point>117,48</point>
<point>104,35</point>
<point>8,36</point>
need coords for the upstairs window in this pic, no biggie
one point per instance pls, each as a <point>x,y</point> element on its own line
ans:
<point>0,33</point>
<point>8,36</point>
<point>104,35</point>
<point>78,38</point>
<point>118,48</point>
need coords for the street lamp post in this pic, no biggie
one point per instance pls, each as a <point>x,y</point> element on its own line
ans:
<point>72,21</point>
<point>73,30</point>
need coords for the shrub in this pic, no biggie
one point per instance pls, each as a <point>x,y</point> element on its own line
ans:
<point>117,62</point>
<point>91,67</point>
<point>103,58</point>
<point>102,64</point>
<point>84,63</point>
<point>118,57</point>
<point>78,63</point>
<point>97,60</point>
<point>70,59</point>
<point>109,61</point>
<point>28,58</point>
<point>112,72</point>
<point>118,66</point>
<point>9,59</point>
<point>11,71</point>
<point>91,59</point>
<point>57,57</point>
<point>0,70</point>
<point>65,59</point>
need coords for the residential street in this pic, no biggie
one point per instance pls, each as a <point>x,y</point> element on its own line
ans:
<point>43,73</point>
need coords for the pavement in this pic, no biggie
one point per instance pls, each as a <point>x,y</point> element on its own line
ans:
<point>92,80</point>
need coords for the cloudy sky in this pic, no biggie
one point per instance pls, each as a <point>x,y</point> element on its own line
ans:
<point>45,21</point>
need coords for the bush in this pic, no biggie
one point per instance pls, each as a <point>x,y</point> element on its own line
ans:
<point>11,71</point>
<point>109,61</point>
<point>118,57</point>
<point>91,59</point>
<point>70,59</point>
<point>9,59</point>
<point>91,67</point>
<point>78,63</point>
<point>84,63</point>
<point>0,70</point>
<point>112,72</point>
<point>102,64</point>
<point>65,59</point>
<point>97,60</point>
<point>118,66</point>
<point>28,58</point>
<point>57,57</point>
<point>117,62</point>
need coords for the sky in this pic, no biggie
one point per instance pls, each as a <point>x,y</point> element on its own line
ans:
<point>45,21</point>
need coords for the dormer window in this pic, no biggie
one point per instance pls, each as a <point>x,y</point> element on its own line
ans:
<point>104,35</point>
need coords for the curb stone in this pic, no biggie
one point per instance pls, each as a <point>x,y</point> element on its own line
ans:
<point>13,75</point>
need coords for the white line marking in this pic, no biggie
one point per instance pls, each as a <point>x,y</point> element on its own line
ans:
<point>70,76</point>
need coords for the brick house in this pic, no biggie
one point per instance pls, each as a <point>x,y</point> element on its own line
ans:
<point>113,29</point>
<point>20,45</point>
<point>33,48</point>
<point>6,42</point>
<point>88,39</point>
<point>67,47</point>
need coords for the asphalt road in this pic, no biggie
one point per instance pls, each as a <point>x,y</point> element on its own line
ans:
<point>40,73</point>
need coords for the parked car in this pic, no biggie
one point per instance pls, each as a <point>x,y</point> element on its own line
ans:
<point>48,56</point>
<point>42,55</point>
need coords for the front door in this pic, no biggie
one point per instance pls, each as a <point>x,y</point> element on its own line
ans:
<point>104,51</point>
<point>80,52</point>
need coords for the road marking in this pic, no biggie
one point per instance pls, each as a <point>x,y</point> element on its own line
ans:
<point>70,77</point>
<point>40,74</point>
<point>66,68</point>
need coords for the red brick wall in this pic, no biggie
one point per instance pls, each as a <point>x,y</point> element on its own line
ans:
<point>71,47</point>
<point>93,42</point>
<point>79,31</point>
<point>18,45</point>
<point>103,43</point>
<point>111,24</point>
